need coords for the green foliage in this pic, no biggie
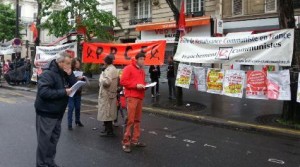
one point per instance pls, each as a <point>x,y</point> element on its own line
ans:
<point>87,68</point>
<point>7,22</point>
<point>95,68</point>
<point>93,19</point>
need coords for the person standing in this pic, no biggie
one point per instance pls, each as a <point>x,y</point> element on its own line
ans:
<point>50,105</point>
<point>107,102</point>
<point>75,101</point>
<point>171,78</point>
<point>154,75</point>
<point>133,79</point>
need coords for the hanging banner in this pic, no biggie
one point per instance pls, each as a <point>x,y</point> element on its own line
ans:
<point>298,90</point>
<point>214,80</point>
<point>278,85</point>
<point>234,83</point>
<point>7,50</point>
<point>200,78</point>
<point>184,76</point>
<point>270,48</point>
<point>123,53</point>
<point>256,85</point>
<point>45,54</point>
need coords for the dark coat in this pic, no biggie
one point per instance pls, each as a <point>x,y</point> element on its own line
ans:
<point>51,100</point>
<point>154,72</point>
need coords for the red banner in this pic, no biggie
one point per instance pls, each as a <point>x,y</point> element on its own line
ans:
<point>96,52</point>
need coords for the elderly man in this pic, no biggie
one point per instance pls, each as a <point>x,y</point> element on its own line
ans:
<point>50,105</point>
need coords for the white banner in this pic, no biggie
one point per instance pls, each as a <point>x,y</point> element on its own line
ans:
<point>44,54</point>
<point>7,50</point>
<point>234,83</point>
<point>184,75</point>
<point>200,78</point>
<point>278,85</point>
<point>270,48</point>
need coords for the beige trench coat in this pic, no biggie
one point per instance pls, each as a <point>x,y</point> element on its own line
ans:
<point>107,101</point>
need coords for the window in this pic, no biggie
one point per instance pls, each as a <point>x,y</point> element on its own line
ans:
<point>142,9</point>
<point>270,6</point>
<point>191,6</point>
<point>237,7</point>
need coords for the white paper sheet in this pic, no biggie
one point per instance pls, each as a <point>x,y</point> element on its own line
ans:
<point>151,84</point>
<point>76,86</point>
<point>78,73</point>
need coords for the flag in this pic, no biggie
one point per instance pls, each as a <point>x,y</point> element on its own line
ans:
<point>181,21</point>
<point>34,31</point>
<point>81,30</point>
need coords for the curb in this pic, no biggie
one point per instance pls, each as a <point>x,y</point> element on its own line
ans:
<point>201,119</point>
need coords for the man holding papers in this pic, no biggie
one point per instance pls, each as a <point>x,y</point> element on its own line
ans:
<point>133,79</point>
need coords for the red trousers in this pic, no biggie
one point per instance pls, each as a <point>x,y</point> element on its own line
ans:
<point>134,109</point>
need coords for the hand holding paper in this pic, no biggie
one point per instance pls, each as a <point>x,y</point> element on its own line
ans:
<point>75,87</point>
<point>150,85</point>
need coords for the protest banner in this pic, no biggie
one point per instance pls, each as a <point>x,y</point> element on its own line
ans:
<point>184,75</point>
<point>123,53</point>
<point>278,84</point>
<point>7,50</point>
<point>269,48</point>
<point>200,78</point>
<point>45,54</point>
<point>234,83</point>
<point>214,80</point>
<point>256,85</point>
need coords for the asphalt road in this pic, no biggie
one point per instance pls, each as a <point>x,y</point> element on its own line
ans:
<point>169,142</point>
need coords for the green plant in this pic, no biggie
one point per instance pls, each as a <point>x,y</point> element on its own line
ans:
<point>95,68</point>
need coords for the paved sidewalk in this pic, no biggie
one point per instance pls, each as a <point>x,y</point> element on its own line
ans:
<point>249,114</point>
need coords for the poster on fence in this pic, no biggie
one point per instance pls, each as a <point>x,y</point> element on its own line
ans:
<point>269,48</point>
<point>234,83</point>
<point>184,75</point>
<point>200,78</point>
<point>278,84</point>
<point>214,80</point>
<point>44,54</point>
<point>298,90</point>
<point>256,85</point>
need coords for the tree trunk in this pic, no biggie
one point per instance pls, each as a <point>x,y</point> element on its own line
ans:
<point>179,94</point>
<point>287,20</point>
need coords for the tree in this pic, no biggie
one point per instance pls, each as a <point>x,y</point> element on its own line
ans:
<point>287,20</point>
<point>7,22</point>
<point>175,11</point>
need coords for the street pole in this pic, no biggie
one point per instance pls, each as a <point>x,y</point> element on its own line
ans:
<point>16,36</point>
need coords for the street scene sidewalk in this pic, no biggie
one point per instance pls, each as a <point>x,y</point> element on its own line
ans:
<point>248,114</point>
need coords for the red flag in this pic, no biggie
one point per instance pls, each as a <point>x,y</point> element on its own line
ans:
<point>181,21</point>
<point>34,31</point>
<point>81,30</point>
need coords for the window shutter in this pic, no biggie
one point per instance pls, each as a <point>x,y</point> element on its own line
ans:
<point>237,7</point>
<point>270,5</point>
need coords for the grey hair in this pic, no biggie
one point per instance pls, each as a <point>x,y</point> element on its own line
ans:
<point>61,56</point>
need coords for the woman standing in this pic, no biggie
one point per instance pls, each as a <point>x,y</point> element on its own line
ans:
<point>75,101</point>
<point>154,75</point>
<point>107,102</point>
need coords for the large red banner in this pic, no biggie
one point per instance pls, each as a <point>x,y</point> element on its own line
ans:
<point>96,52</point>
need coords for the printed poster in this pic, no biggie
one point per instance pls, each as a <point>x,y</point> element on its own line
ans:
<point>184,76</point>
<point>214,80</point>
<point>278,85</point>
<point>256,85</point>
<point>200,78</point>
<point>234,83</point>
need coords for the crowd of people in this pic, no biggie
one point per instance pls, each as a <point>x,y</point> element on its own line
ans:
<point>54,88</point>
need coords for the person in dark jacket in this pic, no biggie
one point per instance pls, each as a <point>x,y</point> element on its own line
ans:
<point>171,78</point>
<point>50,105</point>
<point>75,101</point>
<point>154,75</point>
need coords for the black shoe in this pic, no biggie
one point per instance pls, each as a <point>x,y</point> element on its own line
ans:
<point>70,127</point>
<point>79,124</point>
<point>108,134</point>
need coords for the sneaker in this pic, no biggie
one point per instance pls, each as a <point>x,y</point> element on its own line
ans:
<point>152,96</point>
<point>126,148</point>
<point>138,144</point>
<point>157,94</point>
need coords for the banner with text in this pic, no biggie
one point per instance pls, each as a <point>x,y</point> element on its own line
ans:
<point>269,48</point>
<point>184,76</point>
<point>7,50</point>
<point>96,52</point>
<point>214,80</point>
<point>234,83</point>
<point>200,78</point>
<point>45,54</point>
<point>256,85</point>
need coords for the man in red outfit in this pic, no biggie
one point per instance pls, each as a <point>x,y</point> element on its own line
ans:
<point>133,79</point>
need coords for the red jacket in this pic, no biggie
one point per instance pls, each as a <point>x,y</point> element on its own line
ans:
<point>131,76</point>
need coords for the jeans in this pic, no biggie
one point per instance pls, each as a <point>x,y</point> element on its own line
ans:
<point>171,84</point>
<point>74,102</point>
<point>157,85</point>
